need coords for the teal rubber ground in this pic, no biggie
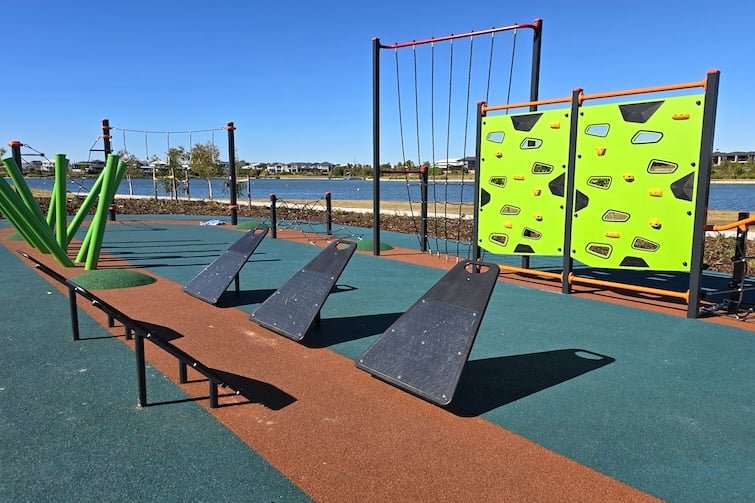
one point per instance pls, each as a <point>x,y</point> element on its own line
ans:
<point>70,429</point>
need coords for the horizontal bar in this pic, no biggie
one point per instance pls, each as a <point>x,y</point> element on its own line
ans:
<point>742,224</point>
<point>626,286</point>
<point>534,272</point>
<point>400,172</point>
<point>414,43</point>
<point>167,132</point>
<point>642,90</point>
<point>491,108</point>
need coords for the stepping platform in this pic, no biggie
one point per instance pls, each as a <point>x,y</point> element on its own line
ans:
<point>214,279</point>
<point>425,350</point>
<point>295,306</point>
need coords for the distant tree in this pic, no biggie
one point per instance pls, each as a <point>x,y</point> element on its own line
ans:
<point>205,159</point>
<point>154,162</point>
<point>337,171</point>
<point>133,168</point>
<point>177,156</point>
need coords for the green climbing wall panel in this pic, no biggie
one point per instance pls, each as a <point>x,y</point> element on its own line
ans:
<point>635,178</point>
<point>523,161</point>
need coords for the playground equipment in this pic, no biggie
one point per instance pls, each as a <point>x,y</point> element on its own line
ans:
<point>295,307</point>
<point>214,279</point>
<point>613,186</point>
<point>139,331</point>
<point>53,234</point>
<point>441,130</point>
<point>735,303</point>
<point>124,133</point>
<point>425,350</point>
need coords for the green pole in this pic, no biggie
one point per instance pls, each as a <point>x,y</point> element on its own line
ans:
<point>82,255</point>
<point>12,215</point>
<point>61,208</point>
<point>39,228</point>
<point>73,227</point>
<point>97,228</point>
<point>21,188</point>
<point>51,209</point>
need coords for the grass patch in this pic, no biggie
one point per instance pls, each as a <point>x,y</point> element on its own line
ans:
<point>14,236</point>
<point>251,224</point>
<point>108,279</point>
<point>368,245</point>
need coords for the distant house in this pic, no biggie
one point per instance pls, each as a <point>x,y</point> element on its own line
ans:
<point>320,168</point>
<point>736,157</point>
<point>91,167</point>
<point>277,167</point>
<point>323,167</point>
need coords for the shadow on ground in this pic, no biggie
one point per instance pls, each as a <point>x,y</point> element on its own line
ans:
<point>490,383</point>
<point>349,328</point>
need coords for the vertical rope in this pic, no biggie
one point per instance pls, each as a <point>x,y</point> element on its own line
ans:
<point>490,67</point>
<point>448,137</point>
<point>403,151</point>
<point>432,134</point>
<point>511,69</point>
<point>466,133</point>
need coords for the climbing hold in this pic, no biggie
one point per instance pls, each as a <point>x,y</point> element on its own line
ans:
<point>518,177</point>
<point>555,125</point>
<point>508,225</point>
<point>628,177</point>
<point>656,192</point>
<point>601,151</point>
<point>655,224</point>
<point>611,234</point>
<point>680,116</point>
<point>538,217</point>
<point>536,192</point>
<point>499,154</point>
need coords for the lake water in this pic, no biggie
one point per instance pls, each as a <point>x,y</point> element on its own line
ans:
<point>723,196</point>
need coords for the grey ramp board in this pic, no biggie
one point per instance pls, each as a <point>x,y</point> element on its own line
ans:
<point>425,350</point>
<point>293,308</point>
<point>213,280</point>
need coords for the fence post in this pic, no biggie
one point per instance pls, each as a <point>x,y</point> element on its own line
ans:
<point>273,217</point>
<point>232,167</point>
<point>328,214</point>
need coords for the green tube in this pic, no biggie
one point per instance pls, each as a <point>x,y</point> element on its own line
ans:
<point>38,227</point>
<point>22,189</point>
<point>77,220</point>
<point>12,215</point>
<point>81,256</point>
<point>97,228</point>
<point>61,209</point>
<point>51,209</point>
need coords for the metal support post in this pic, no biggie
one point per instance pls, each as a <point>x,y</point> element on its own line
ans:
<point>273,217</point>
<point>328,214</point>
<point>232,168</point>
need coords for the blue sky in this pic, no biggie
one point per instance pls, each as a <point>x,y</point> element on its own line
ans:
<point>295,76</point>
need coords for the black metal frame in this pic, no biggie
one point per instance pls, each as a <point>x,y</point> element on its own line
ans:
<point>139,332</point>
<point>537,30</point>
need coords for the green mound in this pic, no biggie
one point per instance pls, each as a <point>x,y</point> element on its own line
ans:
<point>251,224</point>
<point>107,279</point>
<point>368,245</point>
<point>14,236</point>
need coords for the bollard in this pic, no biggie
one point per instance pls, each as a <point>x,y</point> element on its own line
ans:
<point>273,217</point>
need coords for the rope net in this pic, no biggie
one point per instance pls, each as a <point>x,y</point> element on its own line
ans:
<point>429,120</point>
